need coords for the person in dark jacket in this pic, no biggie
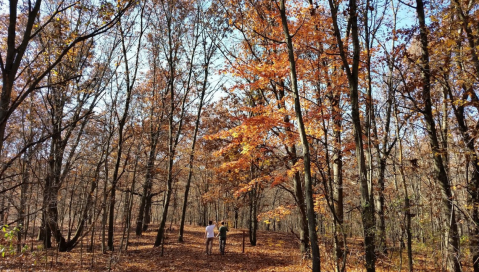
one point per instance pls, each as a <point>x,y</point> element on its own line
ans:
<point>222,234</point>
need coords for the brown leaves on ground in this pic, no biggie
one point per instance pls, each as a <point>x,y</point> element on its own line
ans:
<point>274,251</point>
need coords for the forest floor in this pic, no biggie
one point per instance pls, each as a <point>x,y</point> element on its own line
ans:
<point>275,251</point>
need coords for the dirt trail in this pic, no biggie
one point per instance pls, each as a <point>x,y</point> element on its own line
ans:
<point>274,252</point>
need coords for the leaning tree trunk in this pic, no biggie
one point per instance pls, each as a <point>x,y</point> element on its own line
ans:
<point>313,237</point>
<point>121,127</point>
<point>192,150</point>
<point>172,143</point>
<point>173,139</point>
<point>297,183</point>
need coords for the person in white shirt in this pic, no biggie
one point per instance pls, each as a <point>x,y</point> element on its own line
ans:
<point>209,235</point>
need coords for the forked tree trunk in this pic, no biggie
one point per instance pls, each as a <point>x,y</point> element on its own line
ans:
<point>172,52</point>
<point>192,150</point>
<point>352,72</point>
<point>141,224</point>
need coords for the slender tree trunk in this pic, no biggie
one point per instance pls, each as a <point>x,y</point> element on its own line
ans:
<point>192,152</point>
<point>338,177</point>
<point>352,72</point>
<point>104,217</point>
<point>171,155</point>
<point>313,238</point>
<point>382,155</point>
<point>140,221</point>
<point>369,104</point>
<point>450,223</point>
<point>297,183</point>
<point>407,206</point>
<point>23,201</point>
<point>253,221</point>
<point>473,184</point>
<point>128,206</point>
<point>130,80</point>
<point>172,54</point>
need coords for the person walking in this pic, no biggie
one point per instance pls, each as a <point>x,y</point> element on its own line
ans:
<point>222,234</point>
<point>209,235</point>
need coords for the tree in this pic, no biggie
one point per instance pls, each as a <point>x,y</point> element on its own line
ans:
<point>171,16</point>
<point>441,175</point>
<point>80,97</point>
<point>209,39</point>
<point>352,72</point>
<point>129,83</point>
<point>14,64</point>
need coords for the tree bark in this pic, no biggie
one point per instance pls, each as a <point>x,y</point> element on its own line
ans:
<point>208,55</point>
<point>297,183</point>
<point>130,80</point>
<point>407,206</point>
<point>313,238</point>
<point>473,184</point>
<point>352,72</point>
<point>338,177</point>
<point>450,223</point>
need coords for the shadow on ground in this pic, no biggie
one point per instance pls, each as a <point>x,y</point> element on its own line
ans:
<point>190,255</point>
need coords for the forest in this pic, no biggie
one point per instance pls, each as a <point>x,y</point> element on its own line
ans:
<point>349,126</point>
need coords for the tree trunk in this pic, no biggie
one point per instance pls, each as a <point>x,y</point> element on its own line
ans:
<point>467,24</point>
<point>472,158</point>
<point>450,223</point>
<point>352,72</point>
<point>382,155</point>
<point>23,201</point>
<point>147,218</point>
<point>407,206</point>
<point>141,225</point>
<point>304,142</point>
<point>130,80</point>
<point>171,155</point>
<point>297,183</point>
<point>338,177</point>
<point>192,155</point>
